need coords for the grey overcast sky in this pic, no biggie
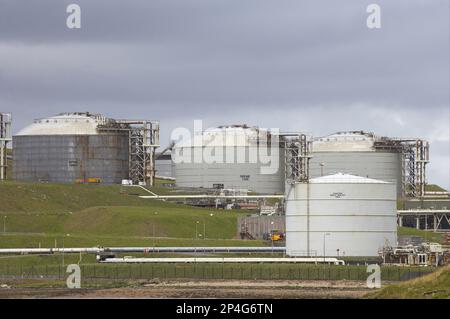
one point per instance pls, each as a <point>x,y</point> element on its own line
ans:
<point>297,65</point>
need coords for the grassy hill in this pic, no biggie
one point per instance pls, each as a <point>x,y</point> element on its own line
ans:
<point>434,188</point>
<point>100,215</point>
<point>435,285</point>
<point>113,215</point>
<point>9,168</point>
<point>426,235</point>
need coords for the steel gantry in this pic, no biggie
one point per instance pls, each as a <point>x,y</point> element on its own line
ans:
<point>297,156</point>
<point>415,156</point>
<point>5,138</point>
<point>143,139</point>
<point>439,216</point>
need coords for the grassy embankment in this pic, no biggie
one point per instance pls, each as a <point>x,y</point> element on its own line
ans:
<point>435,285</point>
<point>91,215</point>
<point>426,235</point>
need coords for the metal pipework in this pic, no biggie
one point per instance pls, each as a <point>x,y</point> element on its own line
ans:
<point>212,196</point>
<point>97,250</point>
<point>156,196</point>
<point>334,261</point>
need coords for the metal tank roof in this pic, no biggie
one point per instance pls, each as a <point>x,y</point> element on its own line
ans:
<point>348,141</point>
<point>341,178</point>
<point>224,136</point>
<point>65,124</point>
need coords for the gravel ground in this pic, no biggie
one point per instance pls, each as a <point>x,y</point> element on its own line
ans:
<point>204,289</point>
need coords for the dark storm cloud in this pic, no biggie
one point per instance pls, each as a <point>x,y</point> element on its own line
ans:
<point>295,64</point>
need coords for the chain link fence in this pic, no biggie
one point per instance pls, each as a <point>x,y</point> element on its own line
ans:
<point>212,271</point>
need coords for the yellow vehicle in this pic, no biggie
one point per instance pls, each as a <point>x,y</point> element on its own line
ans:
<point>93,180</point>
<point>90,180</point>
<point>276,235</point>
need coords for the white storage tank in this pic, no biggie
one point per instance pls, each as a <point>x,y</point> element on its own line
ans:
<point>236,163</point>
<point>357,153</point>
<point>340,215</point>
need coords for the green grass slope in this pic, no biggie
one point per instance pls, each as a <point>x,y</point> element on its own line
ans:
<point>434,188</point>
<point>434,285</point>
<point>168,220</point>
<point>426,235</point>
<point>102,215</point>
<point>48,197</point>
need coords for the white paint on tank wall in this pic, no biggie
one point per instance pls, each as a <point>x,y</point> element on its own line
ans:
<point>359,216</point>
<point>237,173</point>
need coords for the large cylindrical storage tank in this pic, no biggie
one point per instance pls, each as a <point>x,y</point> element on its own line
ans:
<point>69,147</point>
<point>356,153</point>
<point>232,164</point>
<point>340,215</point>
<point>164,165</point>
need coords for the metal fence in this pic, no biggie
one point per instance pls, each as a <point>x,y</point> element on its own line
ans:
<point>211,271</point>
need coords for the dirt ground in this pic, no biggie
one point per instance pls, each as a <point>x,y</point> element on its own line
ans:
<point>203,289</point>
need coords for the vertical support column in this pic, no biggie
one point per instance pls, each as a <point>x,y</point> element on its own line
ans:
<point>307,220</point>
<point>417,222</point>
<point>5,137</point>
<point>2,149</point>
<point>2,161</point>
<point>400,221</point>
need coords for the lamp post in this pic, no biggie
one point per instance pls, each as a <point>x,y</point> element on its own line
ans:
<point>270,234</point>
<point>196,229</point>
<point>63,251</point>
<point>321,168</point>
<point>154,232</point>
<point>204,229</point>
<point>324,235</point>
<point>204,226</point>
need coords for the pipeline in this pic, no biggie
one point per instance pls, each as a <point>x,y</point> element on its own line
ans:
<point>213,196</point>
<point>310,260</point>
<point>97,250</point>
